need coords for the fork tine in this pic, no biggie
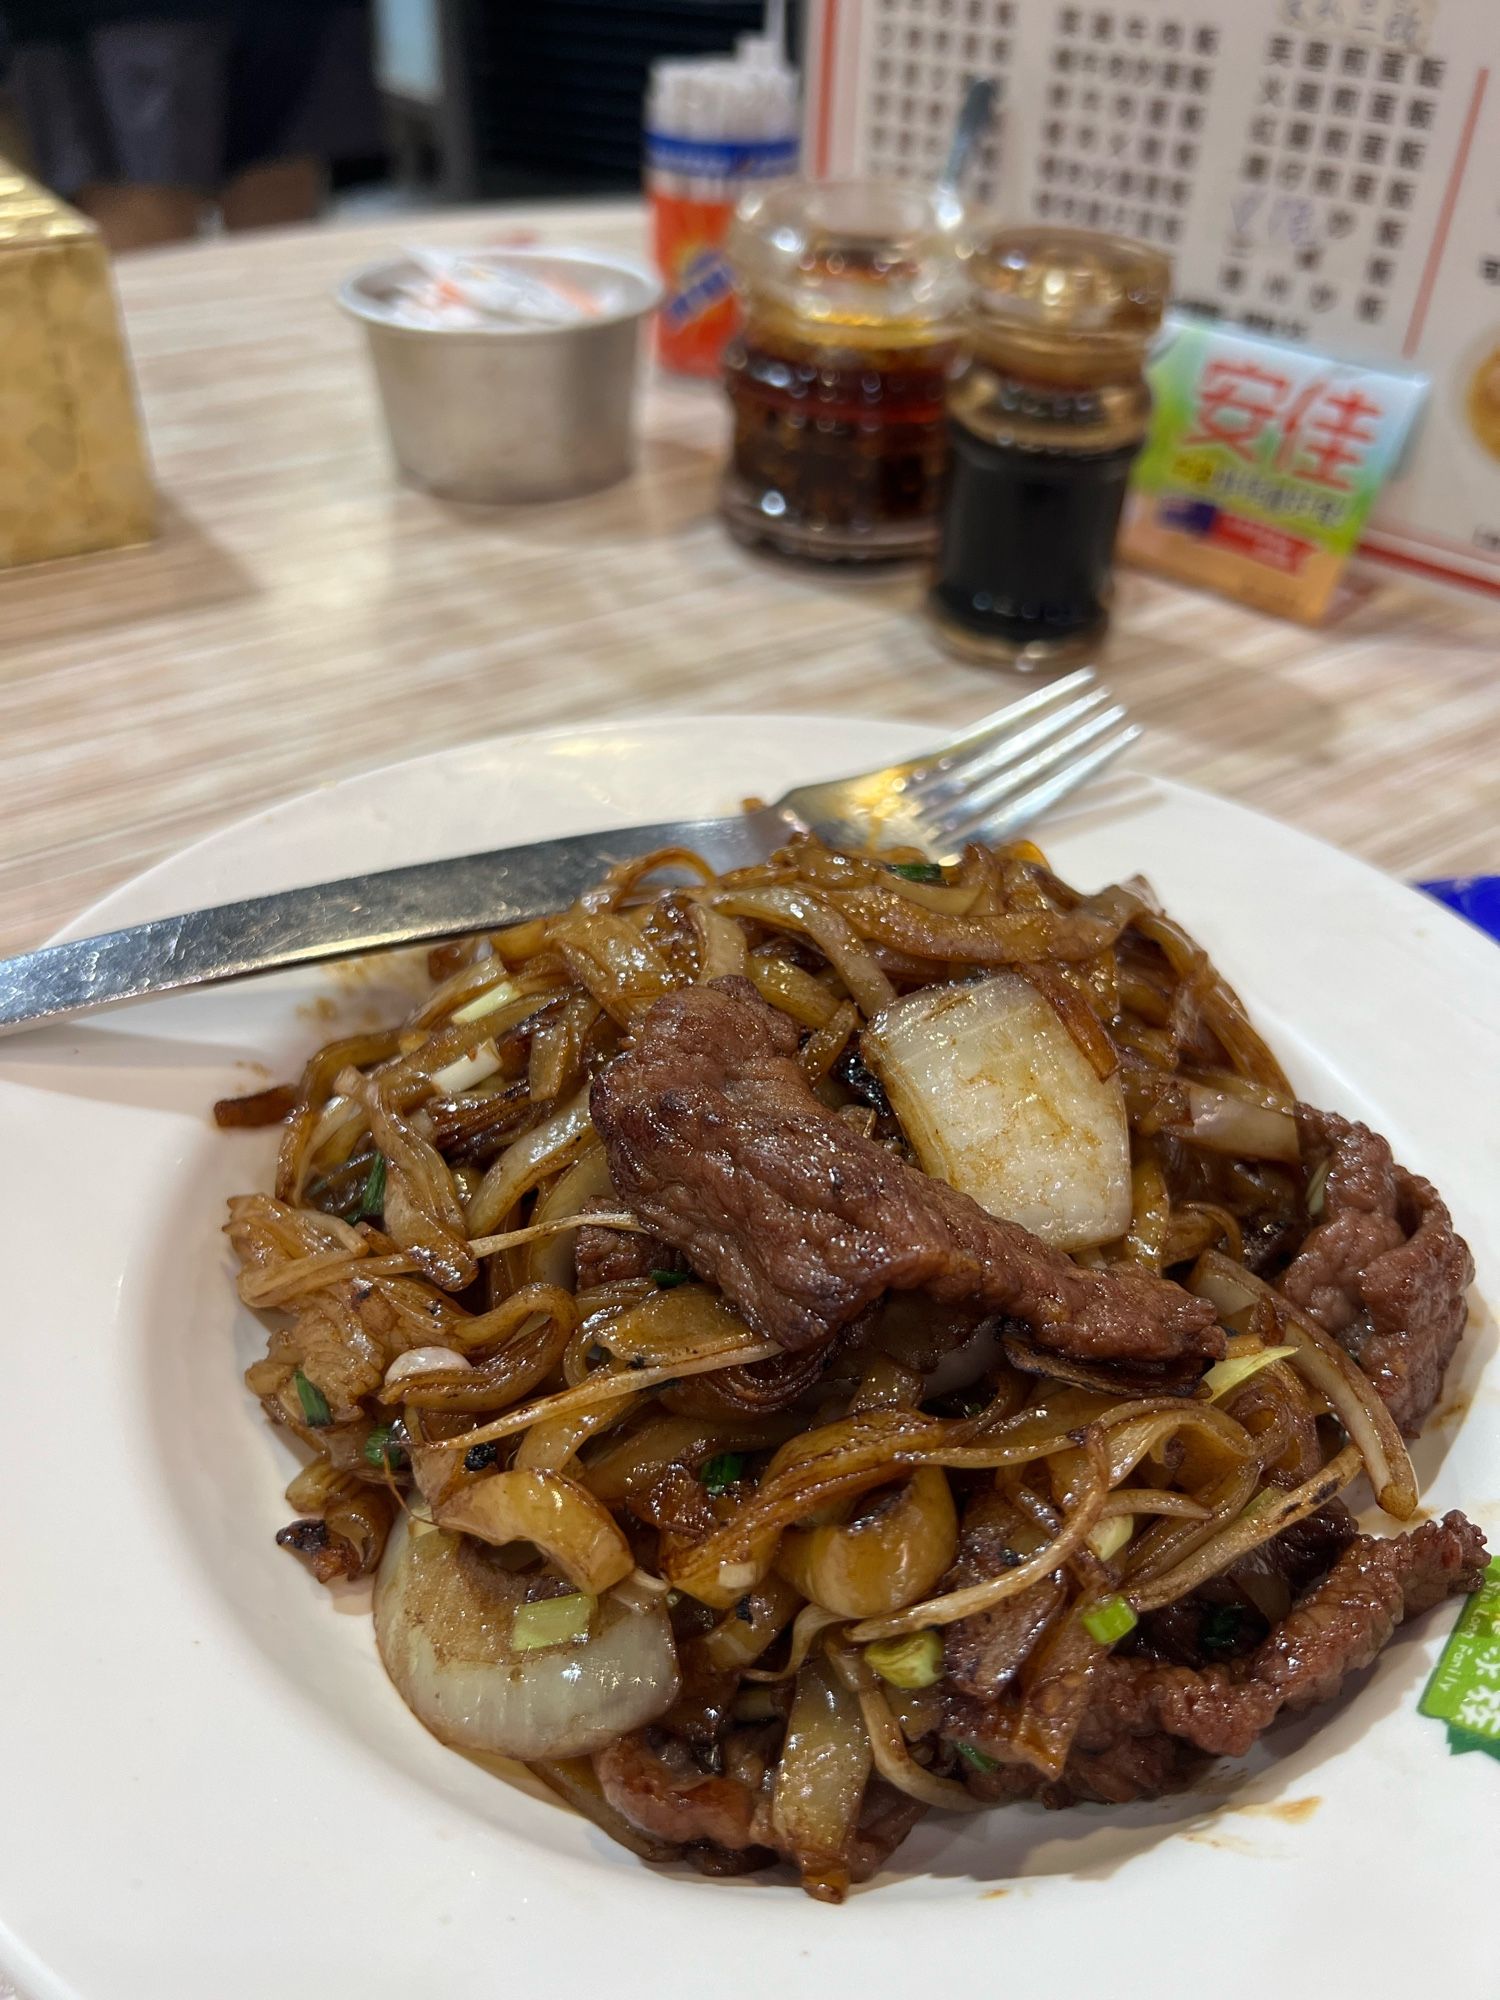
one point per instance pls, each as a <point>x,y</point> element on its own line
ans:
<point>980,800</point>
<point>956,783</point>
<point>1032,803</point>
<point>1000,720</point>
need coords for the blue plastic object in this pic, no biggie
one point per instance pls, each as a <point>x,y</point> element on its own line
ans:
<point>1476,897</point>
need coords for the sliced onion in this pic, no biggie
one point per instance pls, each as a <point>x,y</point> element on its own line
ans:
<point>1109,1378</point>
<point>1117,1517</point>
<point>667,1323</point>
<point>721,942</point>
<point>893,1760</point>
<point>1153,1500</point>
<point>540,1232</point>
<point>877,1565</point>
<point>443,1632</point>
<point>606,1384</point>
<point>998,1100</point>
<point>1228,1375</point>
<point>533,1156</point>
<point>1226,1124</point>
<point>1130,1441</point>
<point>1268,1514</point>
<point>809,1622</point>
<point>554,1514</point>
<point>842,1460</point>
<point>584,1182</point>
<point>1321,1361</point>
<point>422,1209</point>
<point>1167,1543</point>
<point>551,1446</point>
<point>820,1781</point>
<point>738,1640</point>
<point>438,1474</point>
<point>421,1362</point>
<point>339,1117</point>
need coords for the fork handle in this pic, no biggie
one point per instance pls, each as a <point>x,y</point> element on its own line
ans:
<point>396,906</point>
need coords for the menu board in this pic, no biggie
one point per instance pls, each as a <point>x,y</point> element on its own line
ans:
<point>1321,171</point>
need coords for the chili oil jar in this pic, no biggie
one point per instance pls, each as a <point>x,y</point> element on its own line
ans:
<point>837,382</point>
<point>1046,416</point>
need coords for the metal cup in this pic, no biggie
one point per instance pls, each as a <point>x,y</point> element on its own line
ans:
<point>508,413</point>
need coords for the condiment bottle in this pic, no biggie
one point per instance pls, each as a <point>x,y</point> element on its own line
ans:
<point>851,292</point>
<point>715,125</point>
<point>1046,415</point>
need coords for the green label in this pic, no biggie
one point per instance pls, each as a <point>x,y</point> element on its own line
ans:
<point>1464,1690</point>
<point>1266,449</point>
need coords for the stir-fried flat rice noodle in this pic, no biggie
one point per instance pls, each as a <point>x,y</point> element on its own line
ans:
<point>744,1588</point>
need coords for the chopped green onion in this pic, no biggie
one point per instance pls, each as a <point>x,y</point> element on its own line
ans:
<point>372,1201</point>
<point>918,871</point>
<point>484,1003</point>
<point>551,1621</point>
<point>976,1757</point>
<point>315,1410</point>
<point>460,1076</point>
<point>1110,1619</point>
<point>1111,1535</point>
<point>666,1280</point>
<point>379,1451</point>
<point>1316,1188</point>
<point>1227,1375</point>
<point>720,1473</point>
<point>913,1662</point>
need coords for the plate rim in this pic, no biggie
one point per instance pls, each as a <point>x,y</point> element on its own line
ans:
<point>40,1981</point>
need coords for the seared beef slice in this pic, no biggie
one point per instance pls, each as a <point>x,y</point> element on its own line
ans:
<point>717,1142</point>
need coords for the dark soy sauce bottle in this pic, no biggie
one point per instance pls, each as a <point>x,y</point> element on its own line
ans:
<point>1045,416</point>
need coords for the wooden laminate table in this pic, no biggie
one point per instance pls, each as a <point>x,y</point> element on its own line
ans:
<point>303,615</point>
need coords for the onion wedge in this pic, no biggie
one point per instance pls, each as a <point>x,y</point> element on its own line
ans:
<point>443,1629</point>
<point>998,1100</point>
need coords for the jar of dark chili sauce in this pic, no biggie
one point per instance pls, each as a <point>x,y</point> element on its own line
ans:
<point>1046,415</point>
<point>851,292</point>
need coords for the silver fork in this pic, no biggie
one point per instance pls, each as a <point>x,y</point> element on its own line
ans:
<point>985,785</point>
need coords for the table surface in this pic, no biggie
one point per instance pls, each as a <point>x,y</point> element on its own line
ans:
<point>302,615</point>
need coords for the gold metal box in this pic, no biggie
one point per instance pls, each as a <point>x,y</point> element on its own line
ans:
<point>74,473</point>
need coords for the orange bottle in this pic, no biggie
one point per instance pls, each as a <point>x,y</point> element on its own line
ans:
<point>694,177</point>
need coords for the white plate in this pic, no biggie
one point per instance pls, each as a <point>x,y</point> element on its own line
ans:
<point>209,1790</point>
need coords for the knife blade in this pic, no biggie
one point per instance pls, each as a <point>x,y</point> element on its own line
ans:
<point>329,920</point>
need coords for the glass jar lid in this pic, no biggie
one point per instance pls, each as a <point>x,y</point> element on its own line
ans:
<point>844,256</point>
<point>1069,297</point>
